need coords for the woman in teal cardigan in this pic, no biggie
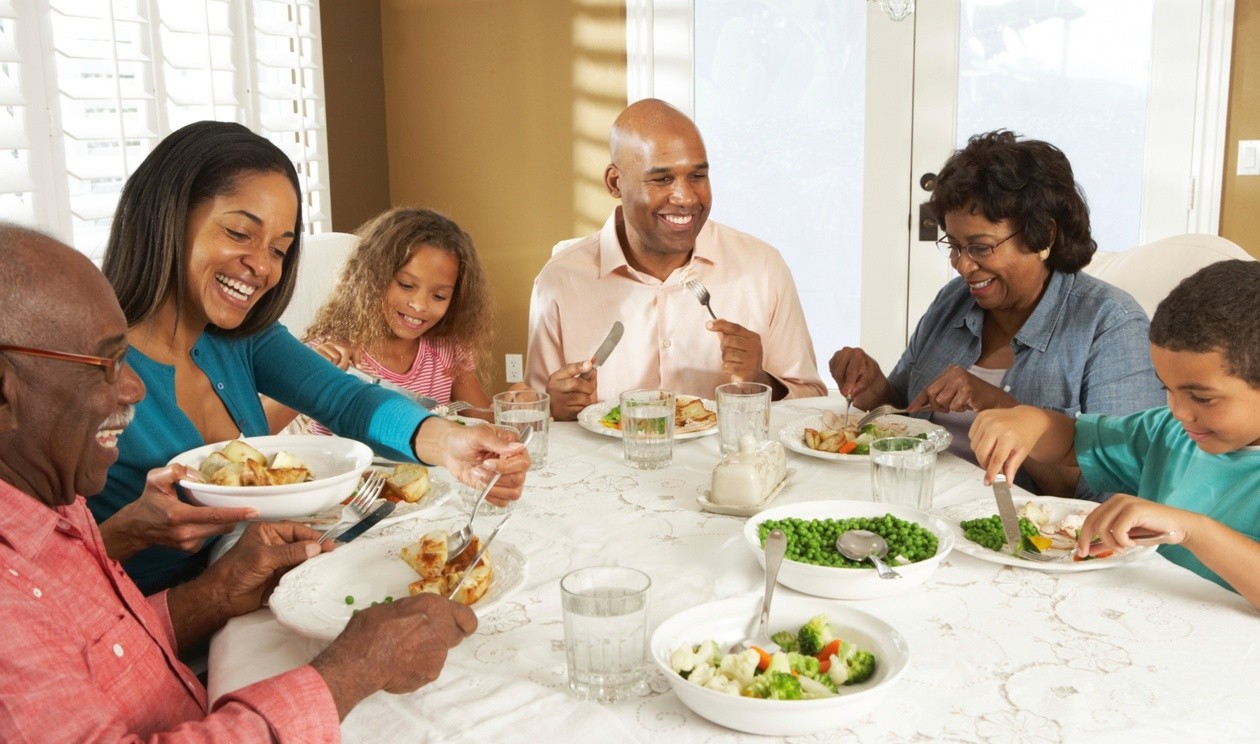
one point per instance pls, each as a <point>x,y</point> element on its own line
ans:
<point>202,254</point>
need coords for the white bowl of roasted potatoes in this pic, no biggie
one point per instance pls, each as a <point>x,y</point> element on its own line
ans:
<point>283,477</point>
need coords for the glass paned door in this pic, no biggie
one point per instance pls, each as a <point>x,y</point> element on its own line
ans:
<point>779,91</point>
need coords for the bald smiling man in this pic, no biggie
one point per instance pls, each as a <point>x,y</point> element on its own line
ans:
<point>635,270</point>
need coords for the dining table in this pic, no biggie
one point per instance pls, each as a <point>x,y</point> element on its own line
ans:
<point>1144,651</point>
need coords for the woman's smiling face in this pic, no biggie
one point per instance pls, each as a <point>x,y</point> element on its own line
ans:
<point>1012,277</point>
<point>236,247</point>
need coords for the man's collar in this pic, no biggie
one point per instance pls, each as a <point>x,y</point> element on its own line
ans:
<point>26,522</point>
<point>612,254</point>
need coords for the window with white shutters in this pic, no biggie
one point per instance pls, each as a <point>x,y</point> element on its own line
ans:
<point>88,87</point>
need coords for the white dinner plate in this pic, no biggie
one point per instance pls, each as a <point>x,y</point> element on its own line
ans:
<point>311,599</point>
<point>439,492</point>
<point>1058,509</point>
<point>589,418</point>
<point>792,435</point>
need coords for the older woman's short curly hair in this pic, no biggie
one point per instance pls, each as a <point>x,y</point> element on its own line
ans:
<point>1027,181</point>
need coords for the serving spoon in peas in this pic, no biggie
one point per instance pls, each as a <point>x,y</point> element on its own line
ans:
<point>861,545</point>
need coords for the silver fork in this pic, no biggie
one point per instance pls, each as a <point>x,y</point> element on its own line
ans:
<point>1145,539</point>
<point>359,506</point>
<point>456,406</point>
<point>702,294</point>
<point>878,412</point>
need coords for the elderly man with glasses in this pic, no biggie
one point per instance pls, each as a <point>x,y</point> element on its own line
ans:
<point>1020,323</point>
<point>84,656</point>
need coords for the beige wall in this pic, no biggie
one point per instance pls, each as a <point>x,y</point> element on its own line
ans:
<point>1240,195</point>
<point>354,86</point>
<point>490,105</point>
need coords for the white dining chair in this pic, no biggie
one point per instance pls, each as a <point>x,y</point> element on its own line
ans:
<point>1149,272</point>
<point>323,256</point>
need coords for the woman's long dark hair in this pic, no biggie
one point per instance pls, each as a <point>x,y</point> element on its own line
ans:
<point>146,256</point>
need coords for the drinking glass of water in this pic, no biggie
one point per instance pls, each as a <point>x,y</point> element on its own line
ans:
<point>902,471</point>
<point>605,632</point>
<point>526,409</point>
<point>647,428</point>
<point>742,408</point>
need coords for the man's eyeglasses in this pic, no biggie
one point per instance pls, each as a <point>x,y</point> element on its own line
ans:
<point>976,251</point>
<point>113,367</point>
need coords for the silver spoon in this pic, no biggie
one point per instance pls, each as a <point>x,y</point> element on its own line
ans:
<point>776,548</point>
<point>459,542</point>
<point>861,545</point>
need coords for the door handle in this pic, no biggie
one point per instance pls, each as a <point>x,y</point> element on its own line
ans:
<point>927,224</point>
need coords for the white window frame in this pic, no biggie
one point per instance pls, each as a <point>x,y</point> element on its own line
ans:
<point>301,133</point>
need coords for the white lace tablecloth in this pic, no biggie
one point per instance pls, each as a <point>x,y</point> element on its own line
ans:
<point>1148,652</point>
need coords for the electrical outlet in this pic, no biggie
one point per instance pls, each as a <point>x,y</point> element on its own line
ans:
<point>515,368</point>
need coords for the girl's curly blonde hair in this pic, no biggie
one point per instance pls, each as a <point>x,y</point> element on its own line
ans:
<point>355,316</point>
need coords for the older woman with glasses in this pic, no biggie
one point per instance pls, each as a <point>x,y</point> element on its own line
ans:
<point>1020,323</point>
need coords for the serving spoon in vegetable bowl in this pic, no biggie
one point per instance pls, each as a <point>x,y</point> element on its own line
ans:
<point>459,542</point>
<point>861,545</point>
<point>776,548</point>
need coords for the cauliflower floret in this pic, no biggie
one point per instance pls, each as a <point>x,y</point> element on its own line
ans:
<point>701,675</point>
<point>686,658</point>
<point>741,667</point>
<point>724,684</point>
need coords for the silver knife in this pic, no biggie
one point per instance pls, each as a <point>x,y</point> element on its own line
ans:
<point>606,348</point>
<point>365,524</point>
<point>1006,510</point>
<point>484,546</point>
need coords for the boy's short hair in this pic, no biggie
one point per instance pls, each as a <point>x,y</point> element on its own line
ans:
<point>1215,309</point>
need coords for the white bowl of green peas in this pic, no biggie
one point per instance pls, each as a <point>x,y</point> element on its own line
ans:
<point>917,541</point>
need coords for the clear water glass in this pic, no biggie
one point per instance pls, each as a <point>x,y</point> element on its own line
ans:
<point>526,409</point>
<point>742,408</point>
<point>606,632</point>
<point>903,470</point>
<point>647,428</point>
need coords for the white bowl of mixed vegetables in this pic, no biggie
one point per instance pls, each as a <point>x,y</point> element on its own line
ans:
<point>862,656</point>
<point>917,542</point>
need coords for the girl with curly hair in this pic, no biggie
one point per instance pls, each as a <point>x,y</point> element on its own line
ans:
<point>411,310</point>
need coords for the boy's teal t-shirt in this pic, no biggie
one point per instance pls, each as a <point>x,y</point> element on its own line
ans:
<point>1148,454</point>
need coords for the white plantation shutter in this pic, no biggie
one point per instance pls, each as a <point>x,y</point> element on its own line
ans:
<point>88,87</point>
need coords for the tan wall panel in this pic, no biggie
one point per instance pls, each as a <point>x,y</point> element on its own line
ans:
<point>354,91</point>
<point>1240,195</point>
<point>497,114</point>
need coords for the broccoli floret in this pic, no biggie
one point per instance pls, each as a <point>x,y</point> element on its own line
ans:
<point>851,665</point>
<point>775,686</point>
<point>786,640</point>
<point>814,634</point>
<point>741,667</point>
<point>802,664</point>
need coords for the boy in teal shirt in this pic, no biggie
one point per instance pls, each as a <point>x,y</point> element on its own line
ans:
<point>1195,464</point>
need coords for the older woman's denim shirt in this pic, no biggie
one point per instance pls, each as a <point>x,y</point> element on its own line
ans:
<point>1084,349</point>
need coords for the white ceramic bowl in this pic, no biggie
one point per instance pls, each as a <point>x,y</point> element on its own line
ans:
<point>850,583</point>
<point>726,621</point>
<point>335,463</point>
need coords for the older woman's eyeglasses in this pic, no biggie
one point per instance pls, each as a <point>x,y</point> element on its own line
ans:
<point>112,366</point>
<point>976,251</point>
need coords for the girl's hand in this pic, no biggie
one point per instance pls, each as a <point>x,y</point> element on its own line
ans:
<point>342,356</point>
